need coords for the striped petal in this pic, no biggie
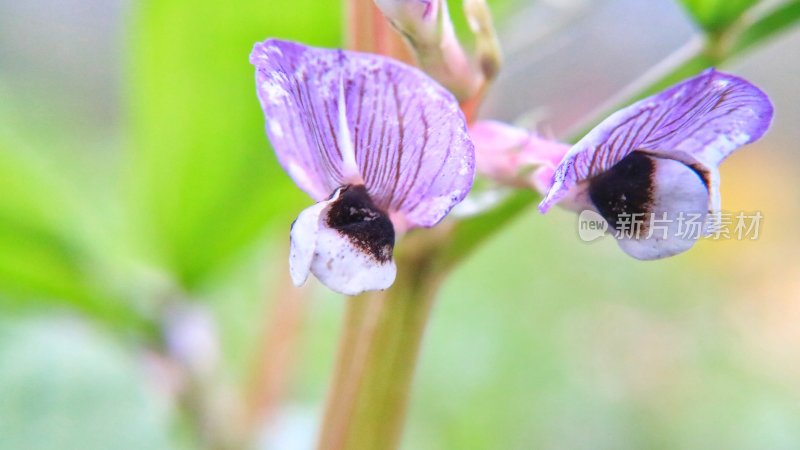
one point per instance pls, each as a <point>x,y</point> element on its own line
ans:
<point>339,118</point>
<point>698,122</point>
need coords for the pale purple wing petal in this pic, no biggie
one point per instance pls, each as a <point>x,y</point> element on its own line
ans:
<point>410,138</point>
<point>703,119</point>
<point>405,134</point>
<point>298,91</point>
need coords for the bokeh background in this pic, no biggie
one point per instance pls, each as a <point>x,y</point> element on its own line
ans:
<point>142,213</point>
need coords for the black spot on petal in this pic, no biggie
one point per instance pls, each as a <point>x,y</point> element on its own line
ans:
<point>625,189</point>
<point>356,217</point>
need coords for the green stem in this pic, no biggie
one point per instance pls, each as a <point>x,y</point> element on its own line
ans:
<point>379,349</point>
<point>383,332</point>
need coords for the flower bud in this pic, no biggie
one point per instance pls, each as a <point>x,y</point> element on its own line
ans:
<point>426,26</point>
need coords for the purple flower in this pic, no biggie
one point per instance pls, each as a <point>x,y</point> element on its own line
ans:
<point>657,160</point>
<point>379,145</point>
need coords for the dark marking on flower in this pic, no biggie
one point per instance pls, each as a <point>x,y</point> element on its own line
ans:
<point>702,173</point>
<point>625,189</point>
<point>355,216</point>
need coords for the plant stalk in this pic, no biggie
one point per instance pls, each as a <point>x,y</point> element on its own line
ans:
<point>378,351</point>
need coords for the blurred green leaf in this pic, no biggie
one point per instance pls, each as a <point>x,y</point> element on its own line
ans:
<point>66,387</point>
<point>43,260</point>
<point>203,178</point>
<point>471,232</point>
<point>500,9</point>
<point>768,26</point>
<point>716,15</point>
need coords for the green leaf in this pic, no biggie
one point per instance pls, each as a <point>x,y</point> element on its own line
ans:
<point>770,25</point>
<point>66,387</point>
<point>715,16</point>
<point>36,256</point>
<point>43,258</point>
<point>204,181</point>
<point>501,10</point>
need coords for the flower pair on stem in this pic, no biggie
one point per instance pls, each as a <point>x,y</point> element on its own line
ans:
<point>383,148</point>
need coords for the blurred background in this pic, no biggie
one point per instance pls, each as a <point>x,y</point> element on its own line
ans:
<point>144,224</point>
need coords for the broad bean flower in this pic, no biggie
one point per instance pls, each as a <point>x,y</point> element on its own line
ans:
<point>658,160</point>
<point>377,144</point>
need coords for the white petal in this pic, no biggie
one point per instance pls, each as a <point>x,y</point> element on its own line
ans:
<point>341,260</point>
<point>679,196</point>
<point>345,140</point>
<point>347,269</point>
<point>303,240</point>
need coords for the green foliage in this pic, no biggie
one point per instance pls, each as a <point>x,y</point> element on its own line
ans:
<point>81,393</point>
<point>471,232</point>
<point>717,15</point>
<point>36,255</point>
<point>43,258</point>
<point>542,341</point>
<point>203,179</point>
<point>499,8</point>
<point>770,25</point>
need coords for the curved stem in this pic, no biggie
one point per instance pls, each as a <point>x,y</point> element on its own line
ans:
<point>378,351</point>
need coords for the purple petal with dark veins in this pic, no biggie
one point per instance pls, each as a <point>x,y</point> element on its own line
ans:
<point>701,120</point>
<point>337,117</point>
